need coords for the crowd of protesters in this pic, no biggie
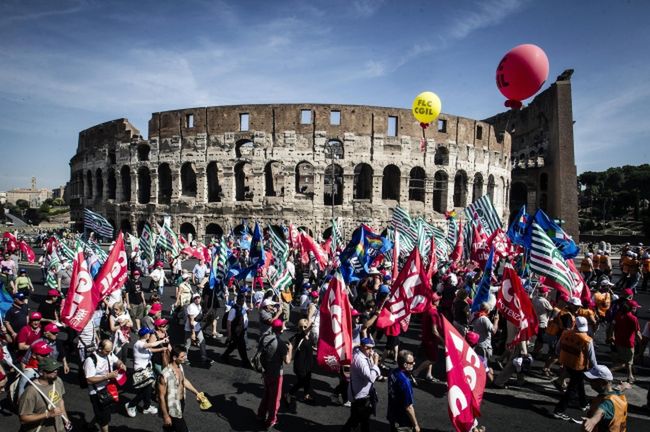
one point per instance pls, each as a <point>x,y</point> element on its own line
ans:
<point>135,334</point>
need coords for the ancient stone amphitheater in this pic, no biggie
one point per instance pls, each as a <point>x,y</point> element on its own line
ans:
<point>211,168</point>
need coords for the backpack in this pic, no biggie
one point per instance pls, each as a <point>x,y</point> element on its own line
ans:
<point>263,354</point>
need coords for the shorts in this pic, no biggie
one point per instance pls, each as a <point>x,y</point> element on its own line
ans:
<point>392,342</point>
<point>429,350</point>
<point>137,310</point>
<point>624,354</point>
<point>102,413</point>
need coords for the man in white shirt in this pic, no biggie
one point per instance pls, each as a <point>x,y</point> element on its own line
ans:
<point>100,368</point>
<point>364,370</point>
<point>158,278</point>
<point>193,329</point>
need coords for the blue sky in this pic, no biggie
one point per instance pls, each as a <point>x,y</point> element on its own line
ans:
<point>68,65</point>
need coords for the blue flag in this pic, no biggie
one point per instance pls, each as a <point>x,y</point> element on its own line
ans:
<point>257,254</point>
<point>5,300</point>
<point>361,251</point>
<point>483,291</point>
<point>518,227</point>
<point>563,241</point>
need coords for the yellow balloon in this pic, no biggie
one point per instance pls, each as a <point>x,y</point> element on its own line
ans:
<point>426,107</point>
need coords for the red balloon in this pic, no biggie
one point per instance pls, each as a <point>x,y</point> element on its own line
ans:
<point>521,73</point>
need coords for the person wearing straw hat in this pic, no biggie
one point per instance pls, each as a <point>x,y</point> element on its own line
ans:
<point>38,413</point>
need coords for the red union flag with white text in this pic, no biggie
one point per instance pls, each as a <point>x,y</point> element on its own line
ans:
<point>114,272</point>
<point>465,379</point>
<point>514,303</point>
<point>78,307</point>
<point>335,331</point>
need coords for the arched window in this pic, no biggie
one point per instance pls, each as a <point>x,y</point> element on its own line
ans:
<point>89,184</point>
<point>543,202</point>
<point>140,226</point>
<point>305,179</point>
<point>274,179</point>
<point>334,150</point>
<point>164,184</point>
<point>362,181</point>
<point>144,185</point>
<point>543,182</point>
<point>333,185</point>
<point>519,196</point>
<point>188,180</point>
<point>244,181</point>
<point>214,189</point>
<point>112,184</point>
<point>416,184</point>
<point>99,184</point>
<point>125,226</point>
<point>390,183</point>
<point>188,231</point>
<point>477,191</point>
<point>442,156</point>
<point>440,187</point>
<point>244,148</point>
<point>490,190</point>
<point>460,189</point>
<point>125,173</point>
<point>143,152</point>
<point>213,230</point>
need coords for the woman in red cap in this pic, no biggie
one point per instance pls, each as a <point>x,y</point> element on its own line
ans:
<point>49,308</point>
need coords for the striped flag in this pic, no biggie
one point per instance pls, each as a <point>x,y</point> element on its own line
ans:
<point>279,248</point>
<point>147,244</point>
<point>218,265</point>
<point>452,231</point>
<point>486,213</point>
<point>66,251</point>
<point>168,240</point>
<point>97,223</point>
<point>55,262</point>
<point>282,281</point>
<point>407,229</point>
<point>546,259</point>
<point>337,238</point>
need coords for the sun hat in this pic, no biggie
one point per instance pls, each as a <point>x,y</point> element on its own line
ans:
<point>48,364</point>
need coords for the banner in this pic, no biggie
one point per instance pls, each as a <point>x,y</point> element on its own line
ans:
<point>307,245</point>
<point>514,303</point>
<point>79,305</point>
<point>465,379</point>
<point>335,331</point>
<point>29,253</point>
<point>114,272</point>
<point>480,249</point>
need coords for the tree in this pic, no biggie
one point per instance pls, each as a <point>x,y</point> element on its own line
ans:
<point>22,204</point>
<point>58,202</point>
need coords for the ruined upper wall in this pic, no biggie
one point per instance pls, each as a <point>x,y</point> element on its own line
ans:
<point>104,134</point>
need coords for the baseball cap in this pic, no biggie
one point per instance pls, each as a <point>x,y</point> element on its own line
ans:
<point>373,271</point>
<point>599,372</point>
<point>387,277</point>
<point>627,293</point>
<point>20,296</point>
<point>196,295</point>
<point>268,302</point>
<point>306,285</point>
<point>634,304</point>
<point>155,308</point>
<point>384,289</point>
<point>543,289</point>
<point>575,301</point>
<point>53,293</point>
<point>52,328</point>
<point>22,270</point>
<point>277,323</point>
<point>144,331</point>
<point>48,364</point>
<point>314,294</point>
<point>355,312</point>
<point>136,272</point>
<point>41,347</point>
<point>159,264</point>
<point>581,324</point>
<point>160,322</point>
<point>367,342</point>
<point>472,338</point>
<point>35,316</point>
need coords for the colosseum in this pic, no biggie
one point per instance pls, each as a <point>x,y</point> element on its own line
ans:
<point>210,168</point>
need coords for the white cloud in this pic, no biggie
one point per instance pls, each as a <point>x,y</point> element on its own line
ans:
<point>487,14</point>
<point>366,8</point>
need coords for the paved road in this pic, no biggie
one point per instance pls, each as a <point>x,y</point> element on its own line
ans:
<point>18,223</point>
<point>236,392</point>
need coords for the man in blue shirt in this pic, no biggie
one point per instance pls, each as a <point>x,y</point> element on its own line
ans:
<point>401,413</point>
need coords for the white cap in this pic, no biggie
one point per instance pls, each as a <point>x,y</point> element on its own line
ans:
<point>599,372</point>
<point>575,301</point>
<point>268,302</point>
<point>581,324</point>
<point>453,279</point>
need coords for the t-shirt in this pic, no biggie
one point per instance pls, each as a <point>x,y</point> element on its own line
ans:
<point>543,310</point>
<point>193,310</point>
<point>274,349</point>
<point>17,317</point>
<point>265,320</point>
<point>461,309</point>
<point>31,402</point>
<point>430,318</point>
<point>199,272</point>
<point>102,368</point>
<point>233,313</point>
<point>10,264</point>
<point>484,327</point>
<point>28,335</point>
<point>625,327</point>
<point>135,292</point>
<point>303,360</point>
<point>48,310</point>
<point>141,355</point>
<point>400,396</point>
<point>22,283</point>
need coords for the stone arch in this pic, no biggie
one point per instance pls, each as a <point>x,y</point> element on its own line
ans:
<point>125,226</point>
<point>477,190</point>
<point>333,185</point>
<point>112,184</point>
<point>125,173</point>
<point>305,178</point>
<point>490,189</point>
<point>144,185</point>
<point>274,179</point>
<point>327,233</point>
<point>213,230</point>
<point>89,184</point>
<point>140,226</point>
<point>362,186</point>
<point>164,184</point>
<point>188,180</point>
<point>244,147</point>
<point>143,152</point>
<point>442,156</point>
<point>335,149</point>
<point>391,182</point>
<point>460,189</point>
<point>80,184</point>
<point>244,181</point>
<point>417,179</point>
<point>519,196</point>
<point>186,229</point>
<point>440,191</point>
<point>99,184</point>
<point>214,188</point>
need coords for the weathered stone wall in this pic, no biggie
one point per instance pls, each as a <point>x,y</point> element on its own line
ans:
<point>251,174</point>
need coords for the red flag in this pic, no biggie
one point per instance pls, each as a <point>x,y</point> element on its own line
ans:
<point>501,243</point>
<point>79,306</point>
<point>410,294</point>
<point>12,242</point>
<point>50,245</point>
<point>205,252</point>
<point>515,304</point>
<point>335,331</point>
<point>182,241</point>
<point>308,244</point>
<point>294,237</point>
<point>29,253</point>
<point>480,250</point>
<point>433,260</point>
<point>580,287</point>
<point>193,252</point>
<point>327,246</point>
<point>465,379</point>
<point>114,272</point>
<point>396,244</point>
<point>457,253</point>
<point>551,283</point>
